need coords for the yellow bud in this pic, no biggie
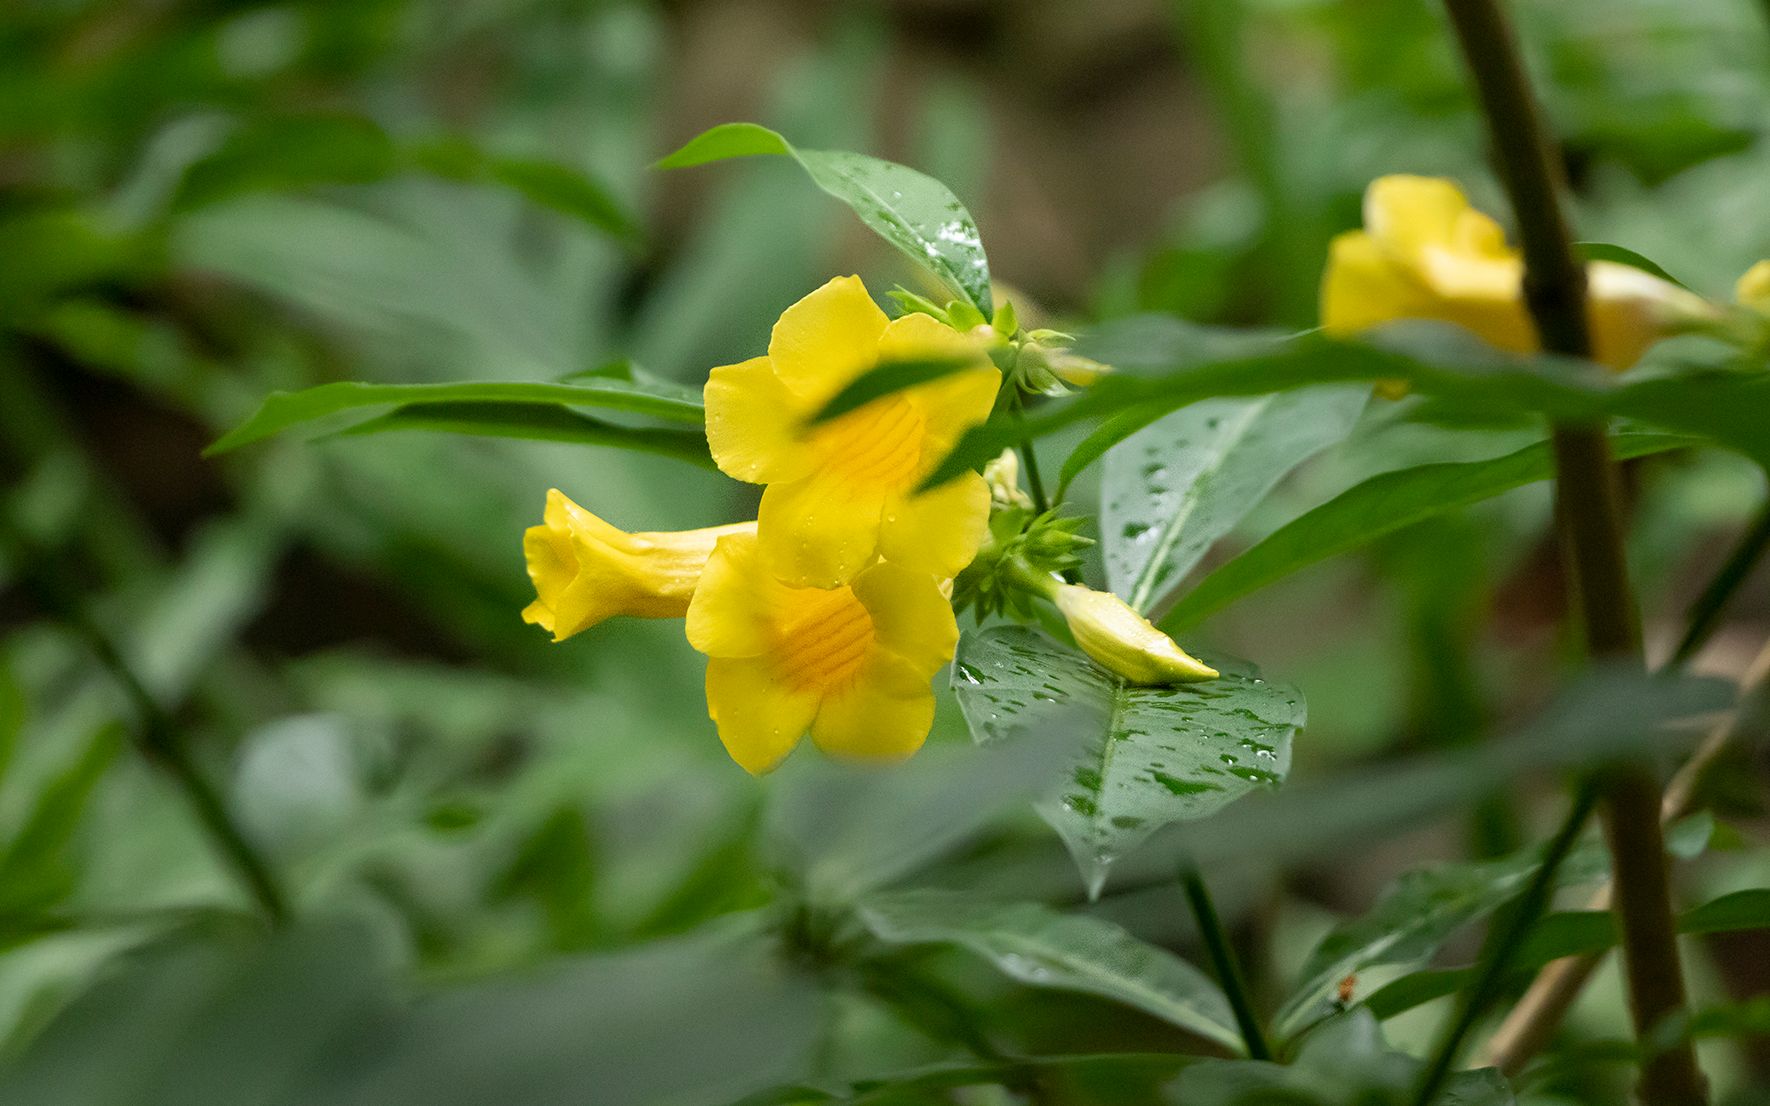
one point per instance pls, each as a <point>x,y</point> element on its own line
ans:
<point>1077,371</point>
<point>1123,641</point>
<point>1003,477</point>
<point>586,570</point>
<point>1753,289</point>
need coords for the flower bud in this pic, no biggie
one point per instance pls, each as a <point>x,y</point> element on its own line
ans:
<point>1123,641</point>
<point>1003,477</point>
<point>585,570</point>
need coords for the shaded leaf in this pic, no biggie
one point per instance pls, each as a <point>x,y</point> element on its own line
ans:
<point>1727,408</point>
<point>1622,255</point>
<point>1415,916</point>
<point>548,184</point>
<point>283,410</point>
<point>1041,947</point>
<point>1143,757</point>
<point>1346,1062</point>
<point>1172,489</point>
<point>913,211</point>
<point>1381,505</point>
<point>537,422</point>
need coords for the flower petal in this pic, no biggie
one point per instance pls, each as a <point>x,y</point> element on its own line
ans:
<point>753,423</point>
<point>1364,286</point>
<point>818,532</point>
<point>884,714</point>
<point>759,718</point>
<point>1411,216</point>
<point>911,618</point>
<point>938,531</point>
<point>951,406</point>
<point>827,339</point>
<point>734,609</point>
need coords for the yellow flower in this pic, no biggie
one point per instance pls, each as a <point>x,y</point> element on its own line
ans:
<point>1123,641</point>
<point>1753,289</point>
<point>586,570</point>
<point>1424,253</point>
<point>851,663</point>
<point>841,493</point>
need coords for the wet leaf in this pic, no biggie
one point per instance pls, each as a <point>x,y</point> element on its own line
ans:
<point>1143,757</point>
<point>1172,489</point>
<point>1041,947</point>
<point>911,210</point>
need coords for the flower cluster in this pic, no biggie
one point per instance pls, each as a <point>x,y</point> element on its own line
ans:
<point>1425,253</point>
<point>831,612</point>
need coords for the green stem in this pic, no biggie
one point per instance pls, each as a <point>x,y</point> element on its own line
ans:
<point>1587,507</point>
<point>1705,612</point>
<point>1223,960</point>
<point>1503,946</point>
<point>157,735</point>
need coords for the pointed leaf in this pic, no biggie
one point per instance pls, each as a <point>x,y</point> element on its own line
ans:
<point>1143,757</point>
<point>1381,505</point>
<point>283,410</point>
<point>912,211</point>
<point>1070,952</point>
<point>539,423</point>
<point>1172,489</point>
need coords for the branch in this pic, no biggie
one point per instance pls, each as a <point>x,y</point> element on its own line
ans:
<point>1591,528</point>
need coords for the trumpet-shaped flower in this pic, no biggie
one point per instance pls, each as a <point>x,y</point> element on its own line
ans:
<point>1123,641</point>
<point>844,492</point>
<point>850,663</point>
<point>1424,253</point>
<point>586,570</point>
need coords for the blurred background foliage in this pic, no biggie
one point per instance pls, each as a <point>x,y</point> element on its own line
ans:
<point>202,202</point>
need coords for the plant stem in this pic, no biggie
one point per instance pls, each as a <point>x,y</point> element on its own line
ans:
<point>1503,946</point>
<point>1705,612</point>
<point>1223,960</point>
<point>1555,294</point>
<point>156,734</point>
<point>1532,1022</point>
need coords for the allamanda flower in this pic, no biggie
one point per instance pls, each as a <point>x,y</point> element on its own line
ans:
<point>850,663</point>
<point>1424,253</point>
<point>842,493</point>
<point>586,570</point>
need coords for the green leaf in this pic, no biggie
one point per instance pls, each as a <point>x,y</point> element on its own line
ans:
<point>913,211</point>
<point>1415,916</point>
<point>1346,1062</point>
<point>548,184</point>
<point>1171,490</point>
<point>1622,255</point>
<point>1739,910</point>
<point>1041,947</point>
<point>1727,408</point>
<point>1381,505</point>
<point>1143,757</point>
<point>1120,1070</point>
<point>283,410</point>
<point>36,870</point>
<point>289,152</point>
<point>886,378</point>
<point>13,707</point>
<point>1571,933</point>
<point>536,422</point>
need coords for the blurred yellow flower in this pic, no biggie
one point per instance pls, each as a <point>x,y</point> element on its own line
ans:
<point>585,570</point>
<point>850,663</point>
<point>1424,253</point>
<point>1753,289</point>
<point>842,493</point>
<point>1123,641</point>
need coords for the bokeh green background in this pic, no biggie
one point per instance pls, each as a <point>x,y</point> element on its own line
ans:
<point>204,202</point>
